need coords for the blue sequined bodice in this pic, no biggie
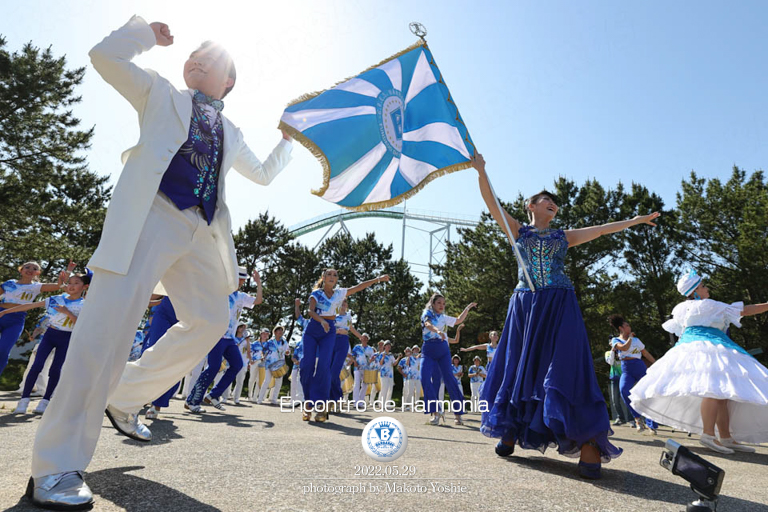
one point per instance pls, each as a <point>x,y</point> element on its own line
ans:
<point>544,257</point>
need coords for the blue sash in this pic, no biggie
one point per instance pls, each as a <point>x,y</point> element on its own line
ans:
<point>710,334</point>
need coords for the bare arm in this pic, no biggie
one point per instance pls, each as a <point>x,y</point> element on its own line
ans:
<point>257,279</point>
<point>463,315</point>
<point>297,307</point>
<point>490,201</point>
<point>583,235</point>
<point>458,335</point>
<point>355,332</point>
<point>623,346</point>
<point>365,284</point>
<point>648,356</point>
<point>23,307</point>
<point>754,309</point>
<point>482,346</point>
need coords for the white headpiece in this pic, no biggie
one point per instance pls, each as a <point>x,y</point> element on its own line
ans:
<point>688,282</point>
<point>242,272</point>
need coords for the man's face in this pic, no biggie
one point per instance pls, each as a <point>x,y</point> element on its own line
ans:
<point>207,71</point>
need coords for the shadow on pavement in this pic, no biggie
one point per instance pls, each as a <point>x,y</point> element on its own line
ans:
<point>132,493</point>
<point>10,419</point>
<point>632,484</point>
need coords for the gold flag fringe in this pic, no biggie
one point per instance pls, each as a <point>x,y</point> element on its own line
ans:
<point>318,153</point>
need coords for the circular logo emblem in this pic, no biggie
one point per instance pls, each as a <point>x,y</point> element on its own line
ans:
<point>384,439</point>
<point>390,110</point>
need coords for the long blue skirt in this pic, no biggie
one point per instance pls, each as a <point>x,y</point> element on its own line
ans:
<point>541,388</point>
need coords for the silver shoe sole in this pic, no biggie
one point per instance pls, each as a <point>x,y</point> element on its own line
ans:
<point>124,432</point>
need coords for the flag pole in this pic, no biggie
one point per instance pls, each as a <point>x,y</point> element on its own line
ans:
<point>511,239</point>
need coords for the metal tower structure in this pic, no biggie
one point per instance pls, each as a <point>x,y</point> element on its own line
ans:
<point>439,231</point>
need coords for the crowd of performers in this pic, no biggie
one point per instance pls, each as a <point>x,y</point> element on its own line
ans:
<point>365,372</point>
<point>168,230</point>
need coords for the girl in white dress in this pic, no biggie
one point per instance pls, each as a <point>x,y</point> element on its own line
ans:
<point>706,380</point>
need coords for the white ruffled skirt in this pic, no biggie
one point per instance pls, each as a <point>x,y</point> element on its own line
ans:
<point>672,389</point>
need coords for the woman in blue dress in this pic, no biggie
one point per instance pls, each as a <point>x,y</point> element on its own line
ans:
<point>541,389</point>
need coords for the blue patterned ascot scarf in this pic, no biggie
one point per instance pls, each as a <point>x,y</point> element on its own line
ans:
<point>193,174</point>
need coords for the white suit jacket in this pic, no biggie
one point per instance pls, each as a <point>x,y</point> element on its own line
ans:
<point>164,118</point>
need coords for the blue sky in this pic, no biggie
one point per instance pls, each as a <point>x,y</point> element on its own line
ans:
<point>617,91</point>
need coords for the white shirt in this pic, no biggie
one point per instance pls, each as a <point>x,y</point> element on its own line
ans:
<point>16,293</point>
<point>705,313</point>
<point>633,352</point>
<point>237,301</point>
<point>61,321</point>
<point>344,321</point>
<point>326,306</point>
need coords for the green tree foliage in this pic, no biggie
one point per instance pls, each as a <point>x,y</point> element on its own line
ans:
<point>53,205</point>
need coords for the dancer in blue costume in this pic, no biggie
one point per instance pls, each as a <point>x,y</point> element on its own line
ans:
<point>541,388</point>
<point>319,339</point>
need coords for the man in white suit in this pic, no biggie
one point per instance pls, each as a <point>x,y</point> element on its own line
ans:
<point>167,223</point>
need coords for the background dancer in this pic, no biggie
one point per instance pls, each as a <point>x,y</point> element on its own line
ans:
<point>437,358</point>
<point>320,337</point>
<point>297,393</point>
<point>16,292</point>
<point>476,378</point>
<point>706,380</point>
<point>630,352</point>
<point>245,352</point>
<point>225,348</point>
<point>341,348</point>
<point>619,409</point>
<point>490,347</point>
<point>62,312</point>
<point>258,370</point>
<point>274,361</point>
<point>458,371</point>
<point>405,368</point>
<point>387,361</point>
<point>363,355</point>
<point>541,387</point>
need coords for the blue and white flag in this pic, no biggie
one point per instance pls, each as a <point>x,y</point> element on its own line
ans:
<point>383,134</point>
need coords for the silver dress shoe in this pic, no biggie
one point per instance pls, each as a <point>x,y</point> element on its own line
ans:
<point>128,424</point>
<point>62,491</point>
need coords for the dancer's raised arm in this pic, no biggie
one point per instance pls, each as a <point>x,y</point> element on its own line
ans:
<point>365,284</point>
<point>478,162</point>
<point>583,235</point>
<point>755,309</point>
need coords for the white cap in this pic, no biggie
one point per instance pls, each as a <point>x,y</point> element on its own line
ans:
<point>242,272</point>
<point>688,282</point>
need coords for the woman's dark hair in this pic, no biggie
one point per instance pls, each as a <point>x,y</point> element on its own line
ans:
<point>85,278</point>
<point>616,321</point>
<point>535,198</point>
<point>231,72</point>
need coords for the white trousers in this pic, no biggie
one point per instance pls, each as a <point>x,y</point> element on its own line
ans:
<point>387,384</point>
<point>179,249</point>
<point>417,390</point>
<point>409,400</point>
<point>239,383</point>
<point>475,387</point>
<point>297,393</point>
<point>191,378</point>
<point>253,382</point>
<point>265,387</point>
<point>358,390</point>
<point>42,379</point>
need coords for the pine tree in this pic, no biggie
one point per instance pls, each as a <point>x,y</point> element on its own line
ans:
<point>53,205</point>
